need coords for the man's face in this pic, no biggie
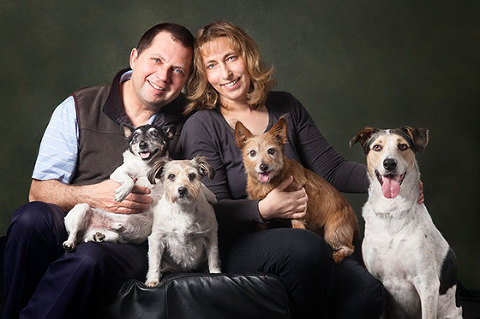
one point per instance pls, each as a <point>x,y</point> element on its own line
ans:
<point>160,71</point>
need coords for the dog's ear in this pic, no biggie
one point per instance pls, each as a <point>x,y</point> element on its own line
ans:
<point>419,137</point>
<point>156,170</point>
<point>170,130</point>
<point>127,131</point>
<point>204,167</point>
<point>242,134</point>
<point>279,130</point>
<point>363,136</point>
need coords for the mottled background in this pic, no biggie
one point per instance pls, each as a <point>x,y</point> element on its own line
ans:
<point>351,63</point>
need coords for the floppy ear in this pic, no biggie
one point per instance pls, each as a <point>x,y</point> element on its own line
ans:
<point>279,131</point>
<point>363,136</point>
<point>170,131</point>
<point>204,168</point>
<point>127,131</point>
<point>156,170</point>
<point>419,137</point>
<point>242,134</point>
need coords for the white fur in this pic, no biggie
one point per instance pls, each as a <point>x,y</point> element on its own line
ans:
<point>85,223</point>
<point>184,232</point>
<point>403,248</point>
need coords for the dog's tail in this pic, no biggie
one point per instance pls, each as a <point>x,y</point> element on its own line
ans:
<point>341,230</point>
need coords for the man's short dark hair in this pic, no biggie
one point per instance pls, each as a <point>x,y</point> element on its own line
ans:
<point>178,32</point>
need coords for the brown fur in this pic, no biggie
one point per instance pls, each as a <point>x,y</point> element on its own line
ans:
<point>328,212</point>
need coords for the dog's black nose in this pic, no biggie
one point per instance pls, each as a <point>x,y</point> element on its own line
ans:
<point>182,191</point>
<point>143,145</point>
<point>390,164</point>
<point>263,167</point>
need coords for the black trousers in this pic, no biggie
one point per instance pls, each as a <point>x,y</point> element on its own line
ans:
<point>319,288</point>
<point>44,281</point>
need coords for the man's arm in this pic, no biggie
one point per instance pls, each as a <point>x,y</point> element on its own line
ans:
<point>101,195</point>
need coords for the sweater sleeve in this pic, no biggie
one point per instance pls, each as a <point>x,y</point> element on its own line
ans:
<point>199,138</point>
<point>318,155</point>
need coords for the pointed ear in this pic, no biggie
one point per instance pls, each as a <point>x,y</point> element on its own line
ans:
<point>127,131</point>
<point>156,170</point>
<point>363,136</point>
<point>419,137</point>
<point>170,131</point>
<point>279,131</point>
<point>242,134</point>
<point>204,167</point>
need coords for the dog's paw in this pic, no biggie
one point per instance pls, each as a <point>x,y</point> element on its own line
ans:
<point>122,192</point>
<point>118,226</point>
<point>68,245</point>
<point>151,283</point>
<point>98,237</point>
<point>215,270</point>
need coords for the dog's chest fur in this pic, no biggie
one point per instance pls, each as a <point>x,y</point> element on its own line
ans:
<point>184,232</point>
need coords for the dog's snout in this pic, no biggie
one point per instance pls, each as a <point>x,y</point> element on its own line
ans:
<point>182,191</point>
<point>389,164</point>
<point>143,145</point>
<point>263,167</point>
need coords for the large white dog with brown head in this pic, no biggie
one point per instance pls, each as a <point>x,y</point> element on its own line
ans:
<point>402,247</point>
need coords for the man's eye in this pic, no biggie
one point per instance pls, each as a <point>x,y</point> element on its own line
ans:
<point>171,177</point>
<point>252,153</point>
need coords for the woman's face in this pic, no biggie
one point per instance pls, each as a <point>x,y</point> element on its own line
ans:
<point>226,71</point>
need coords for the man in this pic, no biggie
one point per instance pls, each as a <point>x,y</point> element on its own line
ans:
<point>82,145</point>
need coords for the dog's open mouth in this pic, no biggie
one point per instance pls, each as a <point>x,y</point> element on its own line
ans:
<point>146,155</point>
<point>390,184</point>
<point>264,177</point>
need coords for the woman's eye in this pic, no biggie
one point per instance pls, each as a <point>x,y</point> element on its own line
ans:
<point>210,66</point>
<point>171,177</point>
<point>252,153</point>
<point>231,58</point>
<point>271,151</point>
<point>377,148</point>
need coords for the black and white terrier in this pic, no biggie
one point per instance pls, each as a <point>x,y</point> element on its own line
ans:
<point>147,144</point>
<point>184,230</point>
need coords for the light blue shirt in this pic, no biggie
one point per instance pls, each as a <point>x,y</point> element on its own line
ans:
<point>57,155</point>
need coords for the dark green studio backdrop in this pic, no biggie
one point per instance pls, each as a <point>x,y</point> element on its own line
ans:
<point>351,63</point>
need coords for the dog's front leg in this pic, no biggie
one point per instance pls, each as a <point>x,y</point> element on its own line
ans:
<point>427,290</point>
<point>122,176</point>
<point>212,253</point>
<point>155,252</point>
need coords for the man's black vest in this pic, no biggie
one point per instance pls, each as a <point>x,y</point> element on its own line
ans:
<point>100,112</point>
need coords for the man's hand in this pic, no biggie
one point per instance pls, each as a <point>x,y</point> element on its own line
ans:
<point>102,196</point>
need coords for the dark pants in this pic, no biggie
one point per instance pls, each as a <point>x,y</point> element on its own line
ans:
<point>44,281</point>
<point>319,288</point>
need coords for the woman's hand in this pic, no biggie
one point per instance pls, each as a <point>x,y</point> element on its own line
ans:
<point>281,204</point>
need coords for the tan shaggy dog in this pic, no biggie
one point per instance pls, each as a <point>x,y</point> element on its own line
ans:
<point>328,212</point>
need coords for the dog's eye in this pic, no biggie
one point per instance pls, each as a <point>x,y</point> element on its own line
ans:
<point>377,148</point>
<point>154,133</point>
<point>271,151</point>
<point>171,177</point>
<point>252,153</point>
<point>191,176</point>
<point>402,147</point>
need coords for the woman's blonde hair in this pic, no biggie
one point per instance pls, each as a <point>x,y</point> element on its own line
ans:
<point>201,94</point>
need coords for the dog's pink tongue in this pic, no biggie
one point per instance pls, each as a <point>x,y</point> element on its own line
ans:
<point>263,177</point>
<point>145,155</point>
<point>390,186</point>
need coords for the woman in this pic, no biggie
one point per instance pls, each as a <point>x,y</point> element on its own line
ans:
<point>229,84</point>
